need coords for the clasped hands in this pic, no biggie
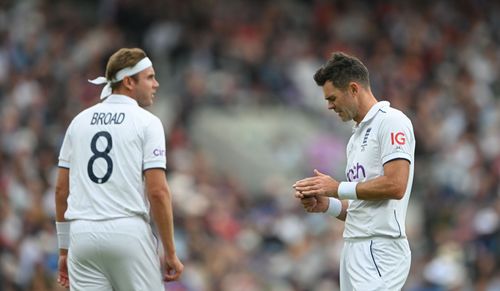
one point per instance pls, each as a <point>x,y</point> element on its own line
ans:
<point>313,192</point>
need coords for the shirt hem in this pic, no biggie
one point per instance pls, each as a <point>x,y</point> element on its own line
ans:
<point>394,156</point>
<point>153,165</point>
<point>63,164</point>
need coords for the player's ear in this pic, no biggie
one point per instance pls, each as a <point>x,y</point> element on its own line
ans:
<point>353,88</point>
<point>127,82</point>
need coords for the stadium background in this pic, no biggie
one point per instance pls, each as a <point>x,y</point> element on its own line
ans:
<point>244,120</point>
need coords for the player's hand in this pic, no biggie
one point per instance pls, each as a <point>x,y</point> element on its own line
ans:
<point>318,185</point>
<point>315,204</point>
<point>62,277</point>
<point>173,268</point>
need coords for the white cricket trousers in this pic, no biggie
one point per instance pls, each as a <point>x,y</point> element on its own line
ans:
<point>113,255</point>
<point>374,264</point>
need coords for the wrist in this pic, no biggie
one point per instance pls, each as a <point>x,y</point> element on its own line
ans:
<point>62,229</point>
<point>347,190</point>
<point>170,255</point>
<point>169,251</point>
<point>334,207</point>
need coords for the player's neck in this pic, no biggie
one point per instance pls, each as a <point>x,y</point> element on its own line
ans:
<point>365,104</point>
<point>123,91</point>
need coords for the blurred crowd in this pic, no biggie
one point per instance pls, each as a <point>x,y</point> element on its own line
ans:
<point>437,61</point>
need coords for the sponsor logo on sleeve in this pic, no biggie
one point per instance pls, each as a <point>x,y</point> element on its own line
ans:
<point>158,152</point>
<point>398,138</point>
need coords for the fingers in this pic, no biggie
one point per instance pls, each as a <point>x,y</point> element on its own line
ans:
<point>302,184</point>
<point>309,203</point>
<point>310,209</point>
<point>308,191</point>
<point>305,193</point>
<point>318,173</point>
<point>313,186</point>
<point>172,274</point>
<point>62,277</point>
<point>306,182</point>
<point>301,195</point>
<point>173,270</point>
<point>298,195</point>
<point>63,280</point>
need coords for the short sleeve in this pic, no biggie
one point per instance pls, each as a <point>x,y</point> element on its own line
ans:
<point>66,150</point>
<point>396,138</point>
<point>154,146</point>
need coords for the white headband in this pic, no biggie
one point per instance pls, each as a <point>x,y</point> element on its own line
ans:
<point>125,72</point>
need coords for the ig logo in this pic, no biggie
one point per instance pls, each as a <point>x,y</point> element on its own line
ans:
<point>398,137</point>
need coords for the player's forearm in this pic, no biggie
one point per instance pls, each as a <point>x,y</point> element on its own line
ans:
<point>380,188</point>
<point>61,193</point>
<point>161,210</point>
<point>61,197</point>
<point>61,206</point>
<point>343,213</point>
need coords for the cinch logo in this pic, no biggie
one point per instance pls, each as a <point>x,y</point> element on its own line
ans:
<point>357,172</point>
<point>158,152</point>
<point>398,138</point>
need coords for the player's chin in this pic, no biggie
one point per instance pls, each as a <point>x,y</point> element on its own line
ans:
<point>149,100</point>
<point>345,117</point>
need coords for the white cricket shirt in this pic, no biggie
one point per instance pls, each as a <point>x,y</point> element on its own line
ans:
<point>383,135</point>
<point>106,148</point>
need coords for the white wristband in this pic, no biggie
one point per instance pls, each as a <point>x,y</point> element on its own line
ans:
<point>62,229</point>
<point>335,207</point>
<point>347,190</point>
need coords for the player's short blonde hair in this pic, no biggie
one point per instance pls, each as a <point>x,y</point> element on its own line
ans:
<point>123,58</point>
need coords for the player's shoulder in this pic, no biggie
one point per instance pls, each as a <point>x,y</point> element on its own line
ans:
<point>84,113</point>
<point>145,115</point>
<point>389,114</point>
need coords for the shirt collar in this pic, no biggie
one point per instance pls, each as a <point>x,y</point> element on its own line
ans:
<point>118,98</point>
<point>371,113</point>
